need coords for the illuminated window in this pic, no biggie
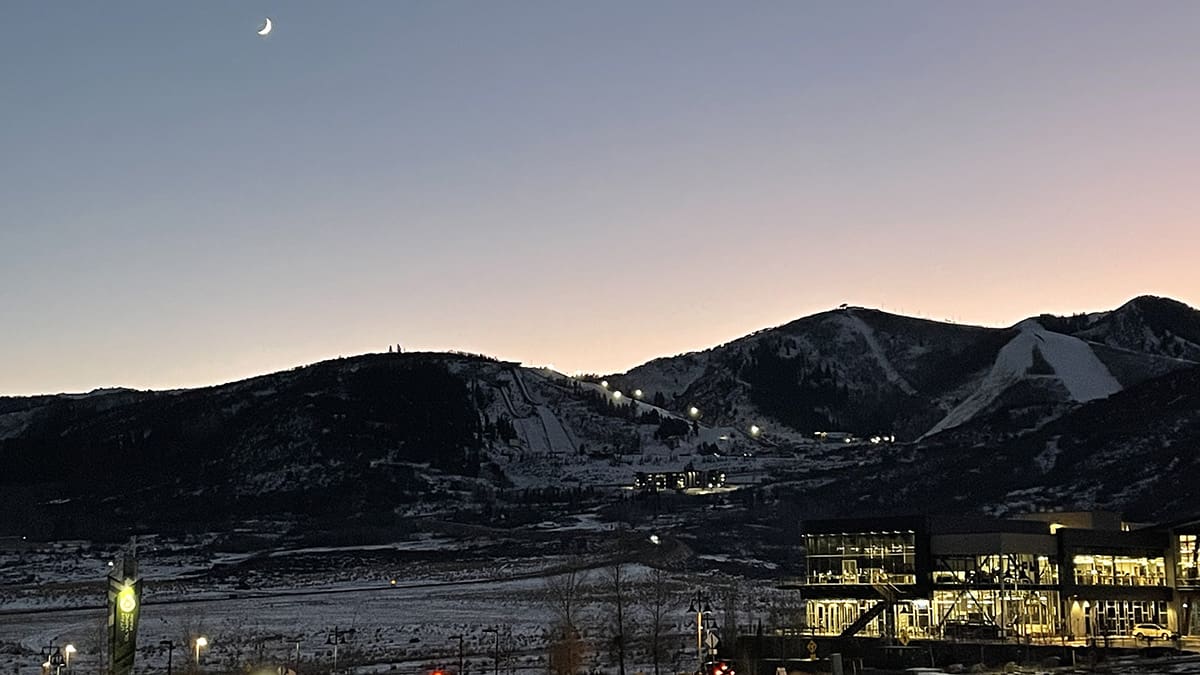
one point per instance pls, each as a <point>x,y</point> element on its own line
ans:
<point>1119,570</point>
<point>861,558</point>
<point>1189,556</point>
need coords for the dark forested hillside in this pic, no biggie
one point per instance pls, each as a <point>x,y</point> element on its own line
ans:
<point>299,433</point>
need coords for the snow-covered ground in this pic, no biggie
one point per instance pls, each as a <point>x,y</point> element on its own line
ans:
<point>411,626</point>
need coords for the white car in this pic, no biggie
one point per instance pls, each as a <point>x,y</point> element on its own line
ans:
<point>1152,631</point>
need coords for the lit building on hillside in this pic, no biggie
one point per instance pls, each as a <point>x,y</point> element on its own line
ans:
<point>692,479</point>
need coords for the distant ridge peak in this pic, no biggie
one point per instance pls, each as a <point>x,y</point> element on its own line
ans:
<point>1155,301</point>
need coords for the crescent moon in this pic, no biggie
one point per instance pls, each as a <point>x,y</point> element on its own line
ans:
<point>266,28</point>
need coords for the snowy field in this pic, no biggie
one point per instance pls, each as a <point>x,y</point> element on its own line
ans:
<point>405,626</point>
<point>405,619</point>
<point>497,605</point>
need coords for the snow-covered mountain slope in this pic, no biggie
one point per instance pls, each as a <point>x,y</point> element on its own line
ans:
<point>869,372</point>
<point>1144,325</point>
<point>1037,354</point>
<point>368,434</point>
<point>1135,451</point>
<point>418,433</point>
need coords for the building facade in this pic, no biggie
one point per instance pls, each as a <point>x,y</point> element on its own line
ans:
<point>1045,575</point>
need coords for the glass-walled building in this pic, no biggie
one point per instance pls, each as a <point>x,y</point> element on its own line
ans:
<point>1003,574</point>
<point>862,577</point>
<point>1090,617</point>
<point>1115,580</point>
<point>1120,570</point>
<point>1026,568</point>
<point>862,557</point>
<point>1185,545</point>
<point>1063,574</point>
<point>1023,613</point>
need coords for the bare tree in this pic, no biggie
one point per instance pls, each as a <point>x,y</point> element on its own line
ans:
<point>730,595</point>
<point>786,610</point>
<point>191,626</point>
<point>566,653</point>
<point>236,638</point>
<point>565,598</point>
<point>615,586</point>
<point>656,603</point>
<point>564,595</point>
<point>507,649</point>
<point>102,644</point>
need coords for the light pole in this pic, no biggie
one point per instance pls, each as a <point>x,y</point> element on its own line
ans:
<point>459,637</point>
<point>699,606</point>
<point>199,642</point>
<point>67,652</point>
<point>337,637</point>
<point>496,653</point>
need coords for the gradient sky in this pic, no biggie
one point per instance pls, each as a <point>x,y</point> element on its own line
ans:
<point>588,184</point>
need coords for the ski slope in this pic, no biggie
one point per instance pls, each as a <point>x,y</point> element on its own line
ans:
<point>1075,365</point>
<point>885,363</point>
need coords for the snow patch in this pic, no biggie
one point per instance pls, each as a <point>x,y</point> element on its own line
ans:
<point>1075,365</point>
<point>1083,374</point>
<point>1048,457</point>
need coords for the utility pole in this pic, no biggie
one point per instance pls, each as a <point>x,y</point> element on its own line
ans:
<point>52,659</point>
<point>337,637</point>
<point>170,645</point>
<point>496,653</point>
<point>296,639</point>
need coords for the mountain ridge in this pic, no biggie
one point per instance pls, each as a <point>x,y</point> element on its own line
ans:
<point>414,432</point>
<point>908,353</point>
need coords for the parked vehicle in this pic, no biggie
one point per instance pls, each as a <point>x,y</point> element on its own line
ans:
<point>1153,631</point>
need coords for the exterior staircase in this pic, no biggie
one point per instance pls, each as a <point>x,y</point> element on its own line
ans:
<point>888,595</point>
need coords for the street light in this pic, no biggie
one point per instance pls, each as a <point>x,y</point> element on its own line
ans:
<point>200,642</point>
<point>699,606</point>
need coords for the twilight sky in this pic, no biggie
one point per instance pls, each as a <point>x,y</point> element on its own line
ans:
<point>588,184</point>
